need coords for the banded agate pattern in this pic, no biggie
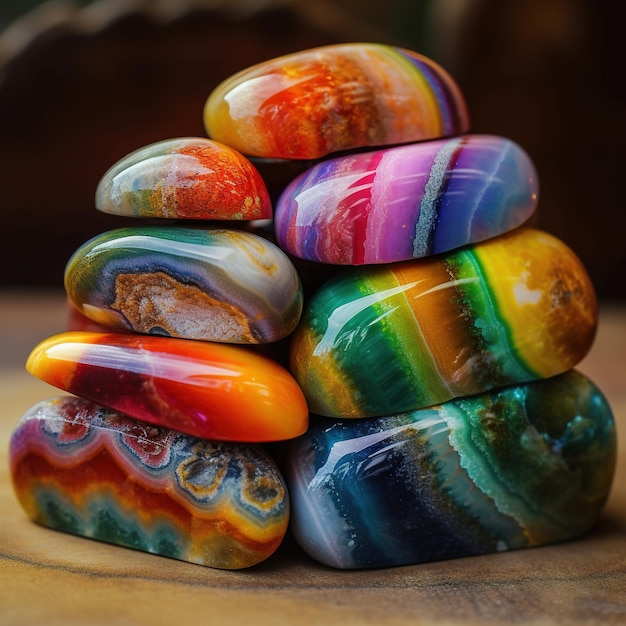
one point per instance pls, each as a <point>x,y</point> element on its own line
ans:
<point>407,202</point>
<point>377,340</point>
<point>212,284</point>
<point>423,402</point>
<point>90,471</point>
<point>518,467</point>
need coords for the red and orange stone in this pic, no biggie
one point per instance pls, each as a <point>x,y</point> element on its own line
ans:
<point>185,178</point>
<point>333,98</point>
<point>209,390</point>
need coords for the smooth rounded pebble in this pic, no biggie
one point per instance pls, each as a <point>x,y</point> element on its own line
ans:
<point>209,390</point>
<point>220,285</point>
<point>380,339</point>
<point>186,178</point>
<point>518,467</point>
<point>407,202</point>
<point>333,98</point>
<point>89,471</point>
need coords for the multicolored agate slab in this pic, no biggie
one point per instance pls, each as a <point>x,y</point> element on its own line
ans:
<point>382,339</point>
<point>518,467</point>
<point>186,178</point>
<point>209,390</point>
<point>210,284</point>
<point>311,103</point>
<point>85,470</point>
<point>407,202</point>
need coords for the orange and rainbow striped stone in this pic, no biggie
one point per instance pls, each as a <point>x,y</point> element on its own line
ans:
<point>378,340</point>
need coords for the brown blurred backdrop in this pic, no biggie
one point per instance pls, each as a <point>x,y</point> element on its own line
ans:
<point>81,87</point>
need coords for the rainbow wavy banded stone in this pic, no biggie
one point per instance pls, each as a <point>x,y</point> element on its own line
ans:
<point>185,178</point>
<point>210,284</point>
<point>518,467</point>
<point>209,390</point>
<point>333,98</point>
<point>381,339</point>
<point>83,469</point>
<point>407,202</point>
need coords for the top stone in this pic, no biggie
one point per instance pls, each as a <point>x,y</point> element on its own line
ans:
<point>333,98</point>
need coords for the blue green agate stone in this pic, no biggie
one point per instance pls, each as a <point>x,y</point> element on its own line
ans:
<point>521,466</point>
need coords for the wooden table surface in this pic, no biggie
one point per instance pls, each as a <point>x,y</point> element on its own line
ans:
<point>67,580</point>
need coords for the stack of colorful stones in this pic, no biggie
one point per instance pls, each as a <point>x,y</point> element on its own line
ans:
<point>429,404</point>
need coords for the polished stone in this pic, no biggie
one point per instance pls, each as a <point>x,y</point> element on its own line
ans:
<point>380,339</point>
<point>83,469</point>
<point>186,178</point>
<point>209,390</point>
<point>333,98</point>
<point>221,285</point>
<point>408,201</point>
<point>519,467</point>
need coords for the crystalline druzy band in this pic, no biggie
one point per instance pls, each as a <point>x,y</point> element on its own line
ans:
<point>208,390</point>
<point>328,99</point>
<point>380,339</point>
<point>406,202</point>
<point>518,467</point>
<point>90,471</point>
<point>185,178</point>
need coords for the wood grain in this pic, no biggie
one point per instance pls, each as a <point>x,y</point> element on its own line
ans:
<point>67,580</point>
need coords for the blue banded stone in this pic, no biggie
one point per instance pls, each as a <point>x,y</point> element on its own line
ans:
<point>519,467</point>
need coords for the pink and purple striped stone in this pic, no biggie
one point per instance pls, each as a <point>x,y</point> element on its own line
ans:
<point>407,202</point>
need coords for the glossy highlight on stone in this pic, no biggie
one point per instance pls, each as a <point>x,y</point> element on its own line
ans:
<point>186,178</point>
<point>334,98</point>
<point>408,201</point>
<point>83,469</point>
<point>209,390</point>
<point>382,339</point>
<point>518,467</point>
<point>210,284</point>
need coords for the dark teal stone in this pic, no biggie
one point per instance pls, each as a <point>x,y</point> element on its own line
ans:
<point>522,466</point>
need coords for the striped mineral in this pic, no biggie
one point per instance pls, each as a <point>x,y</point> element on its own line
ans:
<point>519,467</point>
<point>381,339</point>
<point>407,202</point>
<point>221,285</point>
<point>86,470</point>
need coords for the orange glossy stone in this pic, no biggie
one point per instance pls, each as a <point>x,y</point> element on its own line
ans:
<point>210,390</point>
<point>311,103</point>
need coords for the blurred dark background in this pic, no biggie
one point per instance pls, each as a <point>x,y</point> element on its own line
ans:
<point>84,83</point>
